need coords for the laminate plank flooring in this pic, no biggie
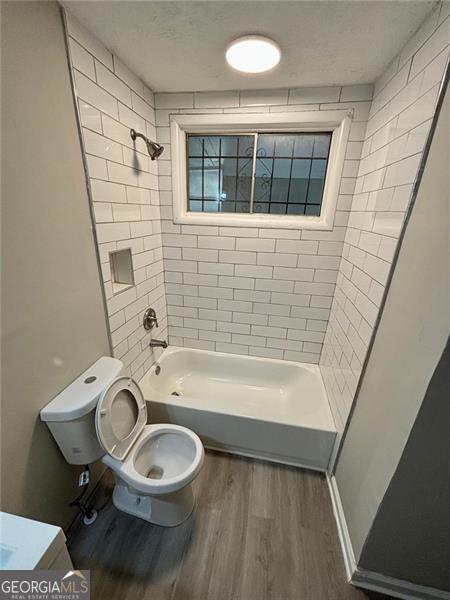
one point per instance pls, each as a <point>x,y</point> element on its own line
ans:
<point>260,531</point>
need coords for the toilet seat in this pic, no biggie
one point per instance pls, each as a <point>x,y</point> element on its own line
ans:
<point>122,430</point>
<point>120,417</point>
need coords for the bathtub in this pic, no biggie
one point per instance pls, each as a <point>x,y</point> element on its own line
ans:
<point>270,409</point>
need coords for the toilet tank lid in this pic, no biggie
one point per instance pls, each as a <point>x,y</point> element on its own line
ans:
<point>81,396</point>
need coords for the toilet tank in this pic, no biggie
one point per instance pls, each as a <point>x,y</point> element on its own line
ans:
<point>71,415</point>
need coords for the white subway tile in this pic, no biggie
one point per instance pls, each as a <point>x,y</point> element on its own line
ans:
<point>130,120</point>
<point>277,259</point>
<point>297,247</point>
<point>170,100</point>
<point>216,99</point>
<point>102,212</point>
<point>81,59</point>
<point>284,344</point>
<point>183,241</point>
<point>121,300</point>
<point>108,81</point>
<point>199,279</point>
<point>90,116</point>
<point>263,97</point>
<point>264,330</point>
<point>87,40</point>
<point>253,271</point>
<point>200,254</point>
<point>402,172</point>
<point>253,340</point>
<point>291,234</point>
<point>290,299</point>
<point>96,167</point>
<point>93,94</point>
<point>238,232</point>
<point>215,336</point>
<point>302,357</point>
<point>255,245</point>
<point>432,47</point>
<point>233,327</point>
<point>127,76</point>
<point>235,305</point>
<point>249,318</point>
<point>310,313</point>
<point>144,110</point>
<point>142,196</point>
<point>215,292</point>
<point>105,191</point>
<point>251,296</point>
<point>215,268</point>
<point>314,94</point>
<point>274,285</point>
<point>265,352</point>
<point>243,283</point>
<point>200,324</point>
<point>293,274</point>
<point>356,92</point>
<point>237,257</point>
<point>205,241</point>
<point>214,315</point>
<point>200,229</point>
<point>293,108</point>
<point>101,146</point>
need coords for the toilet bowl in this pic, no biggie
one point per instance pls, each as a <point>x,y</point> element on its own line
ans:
<point>154,464</point>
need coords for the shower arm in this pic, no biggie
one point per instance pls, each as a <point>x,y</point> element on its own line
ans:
<point>134,134</point>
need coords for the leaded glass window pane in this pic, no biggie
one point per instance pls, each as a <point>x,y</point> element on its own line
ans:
<point>289,172</point>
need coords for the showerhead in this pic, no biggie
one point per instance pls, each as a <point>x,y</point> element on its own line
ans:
<point>154,149</point>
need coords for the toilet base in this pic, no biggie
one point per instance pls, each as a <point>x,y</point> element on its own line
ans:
<point>166,510</point>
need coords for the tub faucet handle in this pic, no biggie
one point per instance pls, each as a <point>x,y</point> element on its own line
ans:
<point>150,320</point>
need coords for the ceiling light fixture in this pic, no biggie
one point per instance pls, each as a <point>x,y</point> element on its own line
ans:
<point>253,54</point>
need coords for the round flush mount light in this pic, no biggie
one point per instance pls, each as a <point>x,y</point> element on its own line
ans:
<point>253,54</point>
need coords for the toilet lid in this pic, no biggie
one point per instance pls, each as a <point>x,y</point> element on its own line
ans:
<point>120,417</point>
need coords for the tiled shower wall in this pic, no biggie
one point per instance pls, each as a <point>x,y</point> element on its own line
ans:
<point>263,292</point>
<point>124,187</point>
<point>400,117</point>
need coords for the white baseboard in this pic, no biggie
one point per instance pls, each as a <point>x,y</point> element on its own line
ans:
<point>369,580</point>
<point>344,537</point>
<point>399,588</point>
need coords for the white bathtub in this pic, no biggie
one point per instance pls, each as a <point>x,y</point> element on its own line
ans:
<point>265,408</point>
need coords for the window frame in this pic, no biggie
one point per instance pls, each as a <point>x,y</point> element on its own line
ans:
<point>336,121</point>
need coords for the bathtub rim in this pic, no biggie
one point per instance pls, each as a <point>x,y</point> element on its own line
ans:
<point>178,400</point>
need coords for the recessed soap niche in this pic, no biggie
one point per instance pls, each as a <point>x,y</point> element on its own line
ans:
<point>122,274</point>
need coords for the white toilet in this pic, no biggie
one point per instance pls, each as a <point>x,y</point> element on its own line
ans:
<point>102,415</point>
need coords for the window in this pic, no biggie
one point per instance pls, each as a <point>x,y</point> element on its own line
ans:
<point>258,170</point>
<point>285,176</point>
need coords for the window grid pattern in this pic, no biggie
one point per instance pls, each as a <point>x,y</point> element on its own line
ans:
<point>288,176</point>
<point>220,173</point>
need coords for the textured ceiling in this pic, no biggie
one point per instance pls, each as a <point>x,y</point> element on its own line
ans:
<point>179,45</point>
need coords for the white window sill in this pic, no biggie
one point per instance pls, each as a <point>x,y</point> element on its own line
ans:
<point>254,220</point>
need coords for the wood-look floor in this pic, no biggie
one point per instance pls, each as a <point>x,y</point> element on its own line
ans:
<point>260,531</point>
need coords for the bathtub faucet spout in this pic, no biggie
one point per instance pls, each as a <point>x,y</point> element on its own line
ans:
<point>158,344</point>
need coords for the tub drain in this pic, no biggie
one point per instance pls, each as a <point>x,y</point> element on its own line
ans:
<point>175,394</point>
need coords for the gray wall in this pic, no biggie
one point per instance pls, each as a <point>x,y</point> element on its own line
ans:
<point>409,343</point>
<point>52,315</point>
<point>412,520</point>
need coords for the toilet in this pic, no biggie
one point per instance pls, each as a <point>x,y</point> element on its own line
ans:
<point>104,415</point>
